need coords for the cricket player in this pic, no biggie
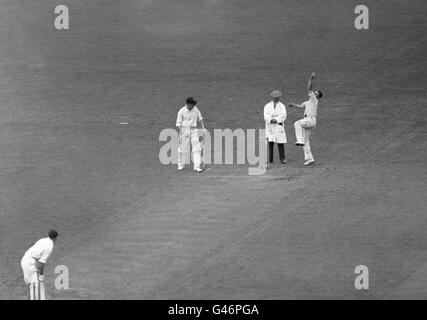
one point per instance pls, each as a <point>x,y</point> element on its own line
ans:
<point>275,116</point>
<point>187,122</point>
<point>35,258</point>
<point>304,126</point>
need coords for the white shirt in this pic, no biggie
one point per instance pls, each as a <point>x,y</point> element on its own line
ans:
<point>187,118</point>
<point>41,250</point>
<point>311,105</point>
<point>278,113</point>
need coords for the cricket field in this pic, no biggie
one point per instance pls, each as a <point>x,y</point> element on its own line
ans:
<point>132,228</point>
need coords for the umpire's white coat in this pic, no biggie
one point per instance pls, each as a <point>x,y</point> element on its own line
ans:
<point>275,132</point>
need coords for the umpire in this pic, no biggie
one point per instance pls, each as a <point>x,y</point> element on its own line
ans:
<point>275,116</point>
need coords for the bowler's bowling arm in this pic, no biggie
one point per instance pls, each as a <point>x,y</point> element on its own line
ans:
<point>310,82</point>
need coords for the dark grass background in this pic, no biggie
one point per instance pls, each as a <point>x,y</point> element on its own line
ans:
<point>132,228</point>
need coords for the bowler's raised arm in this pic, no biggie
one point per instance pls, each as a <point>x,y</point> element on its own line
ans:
<point>310,82</point>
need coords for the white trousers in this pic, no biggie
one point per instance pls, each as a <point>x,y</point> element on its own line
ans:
<point>303,130</point>
<point>29,269</point>
<point>188,136</point>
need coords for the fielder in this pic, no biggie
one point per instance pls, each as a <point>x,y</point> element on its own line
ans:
<point>33,263</point>
<point>274,117</point>
<point>187,122</point>
<point>304,126</point>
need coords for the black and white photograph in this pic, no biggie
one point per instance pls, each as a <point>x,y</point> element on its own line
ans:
<point>207,150</point>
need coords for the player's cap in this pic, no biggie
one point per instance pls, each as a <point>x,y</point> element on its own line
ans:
<point>276,94</point>
<point>190,100</point>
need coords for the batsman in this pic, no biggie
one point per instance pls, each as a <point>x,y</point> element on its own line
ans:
<point>187,122</point>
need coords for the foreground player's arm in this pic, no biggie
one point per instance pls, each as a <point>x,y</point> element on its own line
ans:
<point>40,267</point>
<point>310,82</point>
<point>202,124</point>
<point>42,261</point>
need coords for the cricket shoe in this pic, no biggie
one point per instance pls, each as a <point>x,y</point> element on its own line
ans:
<point>309,162</point>
<point>283,161</point>
<point>180,168</point>
<point>198,170</point>
<point>299,144</point>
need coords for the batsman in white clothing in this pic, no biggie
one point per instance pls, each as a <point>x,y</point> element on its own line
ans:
<point>304,126</point>
<point>187,122</point>
<point>33,263</point>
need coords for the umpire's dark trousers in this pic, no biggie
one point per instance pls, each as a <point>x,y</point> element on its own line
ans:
<point>281,147</point>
